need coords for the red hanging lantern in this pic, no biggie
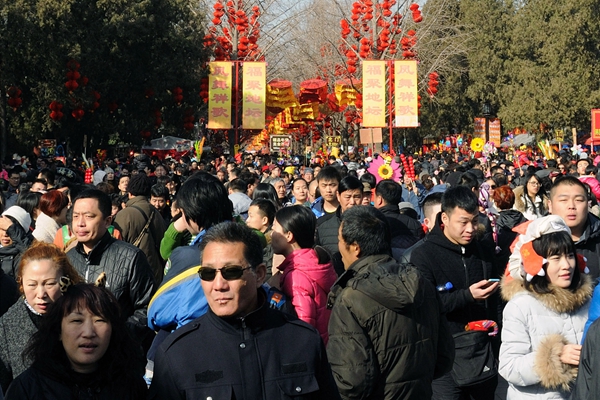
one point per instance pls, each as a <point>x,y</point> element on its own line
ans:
<point>78,113</point>
<point>112,107</point>
<point>14,97</point>
<point>71,85</point>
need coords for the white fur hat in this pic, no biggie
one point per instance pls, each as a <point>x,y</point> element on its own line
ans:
<point>20,215</point>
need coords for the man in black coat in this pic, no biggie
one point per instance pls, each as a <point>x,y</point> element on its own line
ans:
<point>349,195</point>
<point>405,230</point>
<point>241,348</point>
<point>125,267</point>
<point>453,261</point>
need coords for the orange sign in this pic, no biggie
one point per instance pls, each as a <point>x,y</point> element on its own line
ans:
<point>595,124</point>
<point>219,95</point>
<point>495,131</point>
<point>254,95</point>
<point>407,103</point>
<point>374,94</point>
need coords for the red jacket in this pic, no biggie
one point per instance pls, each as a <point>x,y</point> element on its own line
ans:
<point>307,280</point>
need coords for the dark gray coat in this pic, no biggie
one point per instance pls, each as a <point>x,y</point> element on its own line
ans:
<point>16,327</point>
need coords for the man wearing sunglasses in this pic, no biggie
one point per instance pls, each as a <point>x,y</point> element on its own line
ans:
<point>241,348</point>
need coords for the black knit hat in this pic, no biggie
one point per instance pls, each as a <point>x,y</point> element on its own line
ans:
<point>139,185</point>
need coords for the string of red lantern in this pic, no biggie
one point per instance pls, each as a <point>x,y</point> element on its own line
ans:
<point>56,113</point>
<point>14,97</point>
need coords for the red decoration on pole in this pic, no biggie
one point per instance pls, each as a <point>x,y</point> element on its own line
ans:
<point>14,97</point>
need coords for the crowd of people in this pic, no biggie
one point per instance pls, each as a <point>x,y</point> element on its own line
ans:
<point>254,277</point>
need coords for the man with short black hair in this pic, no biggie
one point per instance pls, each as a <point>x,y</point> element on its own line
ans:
<point>240,200</point>
<point>387,336</point>
<point>462,278</point>
<point>349,195</point>
<point>405,230</point>
<point>569,200</point>
<point>241,348</point>
<point>328,180</point>
<point>128,274</point>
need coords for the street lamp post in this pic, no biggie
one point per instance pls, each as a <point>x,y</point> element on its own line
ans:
<point>486,111</point>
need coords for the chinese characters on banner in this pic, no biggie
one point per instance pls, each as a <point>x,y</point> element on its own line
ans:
<point>494,129</point>
<point>254,95</point>
<point>596,124</point>
<point>219,95</point>
<point>405,81</point>
<point>479,129</point>
<point>374,94</point>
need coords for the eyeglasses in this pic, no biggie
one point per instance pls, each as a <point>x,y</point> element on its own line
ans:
<point>229,273</point>
<point>534,183</point>
<point>493,187</point>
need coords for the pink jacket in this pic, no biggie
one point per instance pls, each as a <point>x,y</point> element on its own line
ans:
<point>307,280</point>
<point>594,184</point>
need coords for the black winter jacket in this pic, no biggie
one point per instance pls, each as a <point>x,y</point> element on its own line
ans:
<point>327,237</point>
<point>10,256</point>
<point>405,231</point>
<point>387,337</point>
<point>262,356</point>
<point>587,385</point>
<point>506,221</point>
<point>588,245</point>
<point>128,276</point>
<point>8,292</point>
<point>60,384</point>
<point>441,261</point>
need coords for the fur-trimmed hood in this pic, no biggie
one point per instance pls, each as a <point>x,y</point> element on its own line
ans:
<point>559,300</point>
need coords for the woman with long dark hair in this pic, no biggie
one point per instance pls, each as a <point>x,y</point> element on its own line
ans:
<point>306,274</point>
<point>548,301</point>
<point>82,351</point>
<point>531,198</point>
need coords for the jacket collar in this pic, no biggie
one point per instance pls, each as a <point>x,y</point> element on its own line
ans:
<point>592,228</point>
<point>390,209</point>
<point>98,248</point>
<point>255,320</point>
<point>559,300</point>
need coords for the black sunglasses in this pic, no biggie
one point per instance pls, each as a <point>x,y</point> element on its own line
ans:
<point>229,273</point>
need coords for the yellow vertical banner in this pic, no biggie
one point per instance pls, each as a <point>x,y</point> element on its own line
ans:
<point>219,95</point>
<point>254,76</point>
<point>405,94</point>
<point>374,94</point>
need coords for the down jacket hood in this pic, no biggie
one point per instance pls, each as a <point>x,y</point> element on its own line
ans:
<point>559,300</point>
<point>397,290</point>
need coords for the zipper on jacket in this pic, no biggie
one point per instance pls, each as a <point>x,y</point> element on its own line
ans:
<point>462,257</point>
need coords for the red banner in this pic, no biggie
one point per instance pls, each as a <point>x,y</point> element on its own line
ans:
<point>596,124</point>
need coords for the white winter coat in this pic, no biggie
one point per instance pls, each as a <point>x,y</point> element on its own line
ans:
<point>535,328</point>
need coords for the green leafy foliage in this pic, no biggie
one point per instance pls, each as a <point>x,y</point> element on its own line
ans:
<point>132,52</point>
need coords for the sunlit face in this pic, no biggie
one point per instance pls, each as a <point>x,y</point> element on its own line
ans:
<point>328,190</point>
<point>348,256</point>
<point>38,187</point>
<point>560,268</point>
<point>5,240</point>
<point>276,172</point>
<point>308,176</point>
<point>533,186</point>
<point>41,284</point>
<point>570,203</point>
<point>279,239</point>
<point>123,183</point>
<point>89,225</point>
<point>256,219</point>
<point>233,298</point>
<point>581,166</point>
<point>460,226</point>
<point>85,338</point>
<point>366,199</point>
<point>300,191</point>
<point>280,189</point>
<point>158,202</point>
<point>350,198</point>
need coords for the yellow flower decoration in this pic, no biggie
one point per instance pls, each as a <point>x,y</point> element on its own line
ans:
<point>385,171</point>
<point>477,144</point>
